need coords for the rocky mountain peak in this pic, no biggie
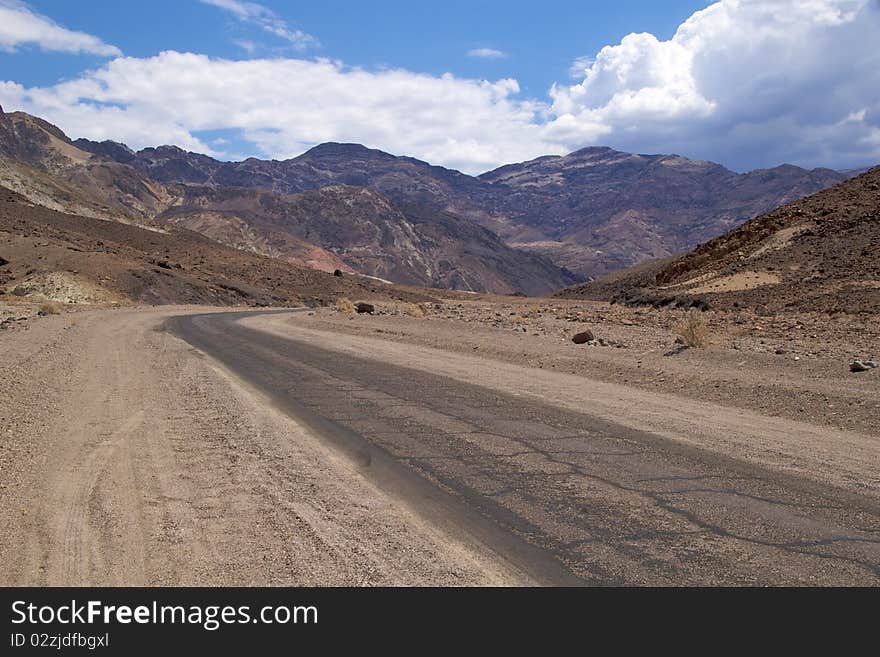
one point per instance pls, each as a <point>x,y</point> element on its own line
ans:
<point>343,151</point>
<point>112,150</point>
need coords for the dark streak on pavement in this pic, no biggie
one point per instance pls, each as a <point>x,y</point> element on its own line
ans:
<point>566,497</point>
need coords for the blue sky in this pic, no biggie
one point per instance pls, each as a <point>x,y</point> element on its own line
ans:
<point>471,85</point>
<point>538,44</point>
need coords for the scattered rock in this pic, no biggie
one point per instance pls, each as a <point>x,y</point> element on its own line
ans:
<point>781,350</point>
<point>365,308</point>
<point>583,338</point>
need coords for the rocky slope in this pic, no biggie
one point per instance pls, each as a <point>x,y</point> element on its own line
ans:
<point>821,253</point>
<point>332,226</point>
<point>599,210</point>
<point>592,212</point>
<point>75,259</point>
<point>40,162</point>
<point>361,230</point>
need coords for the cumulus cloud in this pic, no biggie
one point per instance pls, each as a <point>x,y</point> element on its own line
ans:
<point>746,82</point>
<point>19,25</point>
<point>267,20</point>
<point>487,53</point>
<point>285,106</point>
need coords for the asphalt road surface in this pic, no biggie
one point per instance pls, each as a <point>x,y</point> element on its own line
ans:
<point>569,498</point>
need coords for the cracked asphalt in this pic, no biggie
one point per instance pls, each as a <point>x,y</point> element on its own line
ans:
<point>567,497</point>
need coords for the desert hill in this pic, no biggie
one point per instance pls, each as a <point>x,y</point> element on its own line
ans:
<point>821,253</point>
<point>39,161</point>
<point>75,259</point>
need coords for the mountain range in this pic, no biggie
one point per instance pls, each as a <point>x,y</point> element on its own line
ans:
<point>525,228</point>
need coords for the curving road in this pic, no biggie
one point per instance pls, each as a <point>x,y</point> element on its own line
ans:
<point>565,496</point>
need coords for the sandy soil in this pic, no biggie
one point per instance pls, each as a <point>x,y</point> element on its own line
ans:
<point>127,458</point>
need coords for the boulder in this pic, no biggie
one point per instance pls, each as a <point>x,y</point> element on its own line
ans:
<point>337,273</point>
<point>365,308</point>
<point>583,338</point>
<point>858,366</point>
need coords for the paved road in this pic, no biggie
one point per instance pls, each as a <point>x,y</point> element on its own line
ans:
<point>566,497</point>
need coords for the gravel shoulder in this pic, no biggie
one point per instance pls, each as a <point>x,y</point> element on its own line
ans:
<point>128,458</point>
<point>793,366</point>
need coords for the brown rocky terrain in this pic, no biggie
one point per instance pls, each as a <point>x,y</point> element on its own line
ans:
<point>343,206</point>
<point>818,254</point>
<point>46,254</point>
<point>133,456</point>
<point>40,162</point>
<point>358,229</point>
<point>592,212</point>
<point>599,210</point>
<point>345,228</point>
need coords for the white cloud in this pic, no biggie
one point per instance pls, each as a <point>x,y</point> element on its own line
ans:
<point>267,20</point>
<point>579,66</point>
<point>746,82</point>
<point>487,53</point>
<point>19,25</point>
<point>248,46</point>
<point>284,106</point>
